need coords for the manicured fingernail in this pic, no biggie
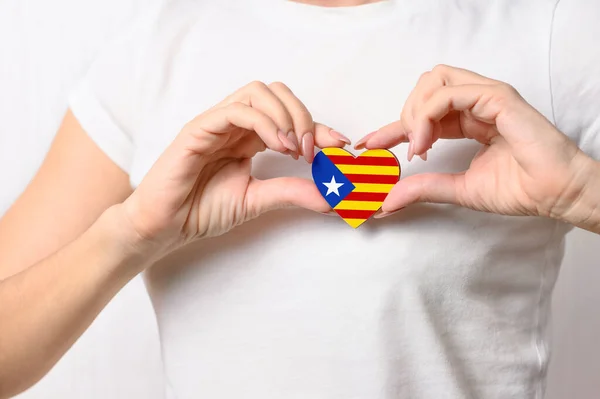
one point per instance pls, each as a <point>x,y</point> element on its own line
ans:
<point>385,214</point>
<point>329,213</point>
<point>293,154</point>
<point>361,143</point>
<point>424,156</point>
<point>308,147</point>
<point>338,136</point>
<point>292,137</point>
<point>285,140</point>
<point>411,151</point>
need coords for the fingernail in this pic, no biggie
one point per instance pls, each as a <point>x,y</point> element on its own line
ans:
<point>308,147</point>
<point>385,214</point>
<point>289,144</point>
<point>292,137</point>
<point>329,213</point>
<point>411,152</point>
<point>293,154</point>
<point>424,156</point>
<point>361,143</point>
<point>338,136</point>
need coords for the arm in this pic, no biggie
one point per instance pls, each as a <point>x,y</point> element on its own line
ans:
<point>585,211</point>
<point>46,307</point>
<point>58,260</point>
<point>64,290</point>
<point>575,86</point>
<point>199,187</point>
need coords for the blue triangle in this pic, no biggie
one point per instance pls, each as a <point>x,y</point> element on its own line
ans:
<point>324,171</point>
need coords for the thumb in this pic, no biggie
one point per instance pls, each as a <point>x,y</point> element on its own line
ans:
<point>440,188</point>
<point>284,192</point>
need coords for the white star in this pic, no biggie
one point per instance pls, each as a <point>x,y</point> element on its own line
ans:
<point>333,186</point>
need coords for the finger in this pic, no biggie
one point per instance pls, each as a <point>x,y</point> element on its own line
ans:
<point>260,96</point>
<point>429,82</point>
<point>267,195</point>
<point>446,103</point>
<point>387,136</point>
<point>401,131</point>
<point>412,102</point>
<point>308,132</point>
<point>437,188</point>
<point>247,147</point>
<point>302,122</point>
<point>440,76</point>
<point>495,109</point>
<point>327,137</point>
<point>226,119</point>
<point>360,144</point>
<point>446,75</point>
<point>407,123</point>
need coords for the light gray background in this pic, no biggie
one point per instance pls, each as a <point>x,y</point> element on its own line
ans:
<point>45,46</point>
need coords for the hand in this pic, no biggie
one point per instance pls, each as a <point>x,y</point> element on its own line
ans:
<point>525,167</point>
<point>201,185</point>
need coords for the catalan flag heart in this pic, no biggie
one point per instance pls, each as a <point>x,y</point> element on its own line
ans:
<point>355,187</point>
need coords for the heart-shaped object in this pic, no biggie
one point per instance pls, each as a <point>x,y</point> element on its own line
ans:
<point>355,187</point>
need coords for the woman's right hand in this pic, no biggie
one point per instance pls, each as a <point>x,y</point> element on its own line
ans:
<point>201,185</point>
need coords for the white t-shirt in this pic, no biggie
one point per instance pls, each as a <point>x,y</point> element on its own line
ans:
<point>435,302</point>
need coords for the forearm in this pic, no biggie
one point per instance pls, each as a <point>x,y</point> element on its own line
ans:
<point>45,308</point>
<point>585,212</point>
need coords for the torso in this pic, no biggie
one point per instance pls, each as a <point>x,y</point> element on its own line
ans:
<point>435,302</point>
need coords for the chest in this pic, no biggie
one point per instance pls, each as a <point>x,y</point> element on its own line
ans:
<point>354,82</point>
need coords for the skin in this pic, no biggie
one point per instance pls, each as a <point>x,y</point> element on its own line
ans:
<point>510,175</point>
<point>55,278</point>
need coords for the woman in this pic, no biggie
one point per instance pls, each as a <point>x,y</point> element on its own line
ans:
<point>438,301</point>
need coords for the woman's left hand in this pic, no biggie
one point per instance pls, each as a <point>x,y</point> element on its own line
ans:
<point>525,167</point>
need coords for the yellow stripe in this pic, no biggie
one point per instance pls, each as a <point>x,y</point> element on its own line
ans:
<point>372,188</point>
<point>368,153</point>
<point>378,153</point>
<point>336,151</point>
<point>355,222</point>
<point>359,205</point>
<point>369,170</point>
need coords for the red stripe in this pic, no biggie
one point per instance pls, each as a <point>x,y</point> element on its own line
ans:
<point>377,197</point>
<point>375,161</point>
<point>352,214</point>
<point>375,179</point>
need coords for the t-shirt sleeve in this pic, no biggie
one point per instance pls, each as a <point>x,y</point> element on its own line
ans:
<point>106,100</point>
<point>575,72</point>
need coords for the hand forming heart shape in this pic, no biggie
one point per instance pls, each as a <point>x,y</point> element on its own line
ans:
<point>355,187</point>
